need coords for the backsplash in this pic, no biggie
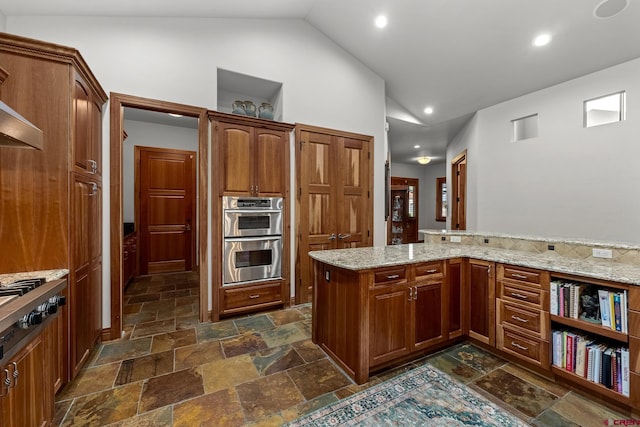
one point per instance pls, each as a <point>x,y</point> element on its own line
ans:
<point>570,248</point>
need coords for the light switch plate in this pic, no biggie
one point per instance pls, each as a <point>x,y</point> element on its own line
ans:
<point>602,253</point>
<point>456,239</point>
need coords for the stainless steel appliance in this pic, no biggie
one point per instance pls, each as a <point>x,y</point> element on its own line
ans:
<point>252,246</point>
<point>25,307</point>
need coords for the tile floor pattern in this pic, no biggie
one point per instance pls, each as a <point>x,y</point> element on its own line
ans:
<point>262,370</point>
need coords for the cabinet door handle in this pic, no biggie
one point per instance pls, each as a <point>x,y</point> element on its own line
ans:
<point>393,276</point>
<point>343,236</point>
<point>415,293</point>
<point>410,294</point>
<point>16,374</point>
<point>257,190</point>
<point>521,347</point>
<point>519,319</point>
<point>7,379</point>
<point>252,189</point>
<point>517,295</point>
<point>431,271</point>
<point>518,276</point>
<point>254,296</point>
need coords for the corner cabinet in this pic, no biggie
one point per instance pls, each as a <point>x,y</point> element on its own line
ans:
<point>251,158</point>
<point>52,198</point>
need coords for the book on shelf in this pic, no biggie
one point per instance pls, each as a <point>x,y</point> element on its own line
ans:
<point>624,368</point>
<point>605,307</point>
<point>553,297</point>
<point>617,315</point>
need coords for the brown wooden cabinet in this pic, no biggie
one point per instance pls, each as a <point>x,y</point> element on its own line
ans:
<point>403,220</point>
<point>28,399</point>
<point>129,258</point>
<point>253,155</point>
<point>522,314</point>
<point>480,301</point>
<point>52,203</point>
<point>455,278</point>
<point>57,346</point>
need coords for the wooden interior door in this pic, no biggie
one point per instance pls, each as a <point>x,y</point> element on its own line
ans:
<point>459,192</point>
<point>334,204</point>
<point>353,193</point>
<point>166,201</point>
<point>316,220</point>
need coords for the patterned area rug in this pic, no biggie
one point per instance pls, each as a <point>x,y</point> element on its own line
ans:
<point>421,397</point>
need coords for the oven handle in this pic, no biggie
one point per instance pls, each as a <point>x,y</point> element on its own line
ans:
<point>256,211</point>
<point>252,239</point>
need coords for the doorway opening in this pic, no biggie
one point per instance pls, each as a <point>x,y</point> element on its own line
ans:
<point>118,103</point>
<point>459,192</point>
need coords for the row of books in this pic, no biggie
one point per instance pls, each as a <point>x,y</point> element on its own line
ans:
<point>592,360</point>
<point>606,307</point>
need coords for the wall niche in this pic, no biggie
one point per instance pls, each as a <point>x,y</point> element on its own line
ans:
<point>233,86</point>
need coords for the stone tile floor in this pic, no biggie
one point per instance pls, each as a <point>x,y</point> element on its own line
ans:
<point>263,370</point>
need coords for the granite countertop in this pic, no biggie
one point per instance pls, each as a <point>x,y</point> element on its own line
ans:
<point>49,275</point>
<point>568,240</point>
<point>382,256</point>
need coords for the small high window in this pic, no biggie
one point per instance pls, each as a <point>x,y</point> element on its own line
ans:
<point>605,109</point>
<point>525,127</point>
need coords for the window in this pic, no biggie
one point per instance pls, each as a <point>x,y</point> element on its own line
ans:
<point>525,127</point>
<point>605,109</point>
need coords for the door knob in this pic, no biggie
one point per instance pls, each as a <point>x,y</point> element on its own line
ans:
<point>332,236</point>
<point>343,236</point>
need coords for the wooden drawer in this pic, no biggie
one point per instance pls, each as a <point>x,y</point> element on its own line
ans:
<point>429,270</point>
<point>522,275</point>
<point>390,275</point>
<point>520,294</point>
<point>530,349</point>
<point>249,296</point>
<point>531,320</point>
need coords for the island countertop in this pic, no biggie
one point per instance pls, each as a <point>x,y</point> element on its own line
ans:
<point>384,256</point>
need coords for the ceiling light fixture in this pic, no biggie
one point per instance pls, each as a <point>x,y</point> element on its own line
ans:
<point>416,146</point>
<point>424,160</point>
<point>428,110</point>
<point>608,8</point>
<point>175,115</point>
<point>381,21</point>
<point>542,40</point>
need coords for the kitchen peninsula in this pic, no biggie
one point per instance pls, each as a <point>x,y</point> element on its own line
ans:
<point>378,306</point>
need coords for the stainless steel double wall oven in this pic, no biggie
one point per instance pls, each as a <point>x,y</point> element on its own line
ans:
<point>252,246</point>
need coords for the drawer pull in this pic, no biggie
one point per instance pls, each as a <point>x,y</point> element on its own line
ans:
<point>432,271</point>
<point>519,319</point>
<point>393,276</point>
<point>7,379</point>
<point>521,347</point>
<point>16,374</point>
<point>517,295</point>
<point>518,276</point>
<point>254,296</point>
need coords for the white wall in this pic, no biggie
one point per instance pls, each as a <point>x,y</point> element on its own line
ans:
<point>149,135</point>
<point>570,181</point>
<point>176,59</point>
<point>3,22</point>
<point>427,175</point>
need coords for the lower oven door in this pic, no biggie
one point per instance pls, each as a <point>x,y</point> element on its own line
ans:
<point>252,258</point>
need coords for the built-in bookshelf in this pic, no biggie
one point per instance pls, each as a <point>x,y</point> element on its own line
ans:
<point>589,334</point>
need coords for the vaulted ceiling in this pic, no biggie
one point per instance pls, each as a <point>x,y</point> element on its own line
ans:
<point>457,56</point>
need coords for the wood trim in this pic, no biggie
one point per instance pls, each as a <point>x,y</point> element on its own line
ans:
<point>118,102</point>
<point>458,215</point>
<point>440,181</point>
<point>339,133</point>
<point>3,75</point>
<point>249,121</point>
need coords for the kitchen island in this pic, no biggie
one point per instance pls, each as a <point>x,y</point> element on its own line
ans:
<point>379,306</point>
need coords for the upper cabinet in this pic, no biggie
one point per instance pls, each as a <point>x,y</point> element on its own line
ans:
<point>86,116</point>
<point>252,155</point>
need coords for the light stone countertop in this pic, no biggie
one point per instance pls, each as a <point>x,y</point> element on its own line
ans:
<point>48,275</point>
<point>383,256</point>
<point>567,240</point>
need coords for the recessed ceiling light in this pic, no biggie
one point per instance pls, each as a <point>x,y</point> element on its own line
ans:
<point>428,110</point>
<point>424,160</point>
<point>542,40</point>
<point>609,8</point>
<point>416,146</point>
<point>381,21</point>
<point>175,115</point>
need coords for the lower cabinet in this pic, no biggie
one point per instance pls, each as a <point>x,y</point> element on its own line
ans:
<point>455,278</point>
<point>480,301</point>
<point>256,296</point>
<point>389,323</point>
<point>27,400</point>
<point>129,258</point>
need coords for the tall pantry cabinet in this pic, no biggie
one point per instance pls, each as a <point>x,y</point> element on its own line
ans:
<point>52,199</point>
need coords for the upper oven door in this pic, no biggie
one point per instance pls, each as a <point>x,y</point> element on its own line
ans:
<point>246,223</point>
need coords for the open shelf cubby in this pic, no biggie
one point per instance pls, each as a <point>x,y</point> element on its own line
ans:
<point>233,86</point>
